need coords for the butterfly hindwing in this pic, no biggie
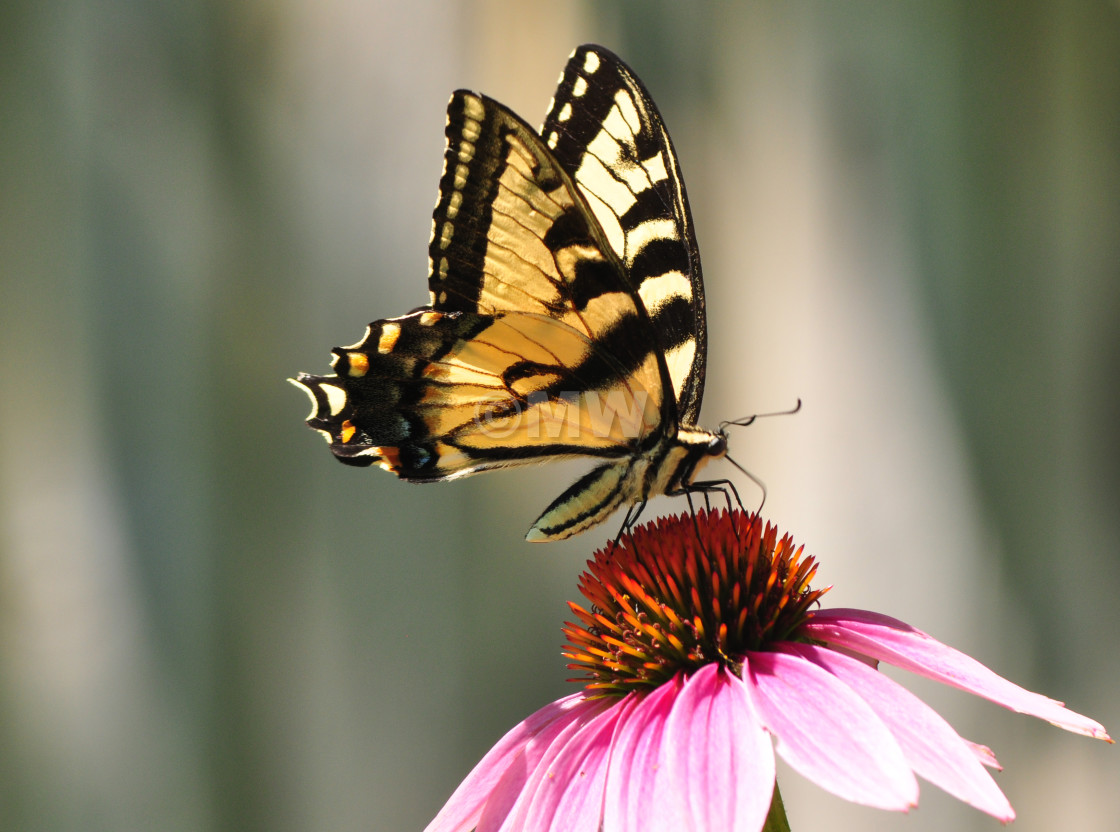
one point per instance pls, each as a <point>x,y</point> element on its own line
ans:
<point>604,128</point>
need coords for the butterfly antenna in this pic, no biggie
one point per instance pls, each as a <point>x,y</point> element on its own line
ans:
<point>747,420</point>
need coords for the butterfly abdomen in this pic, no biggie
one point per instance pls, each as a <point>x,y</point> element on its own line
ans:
<point>667,468</point>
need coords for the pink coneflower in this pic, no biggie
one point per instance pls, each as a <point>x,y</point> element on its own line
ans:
<point>700,647</point>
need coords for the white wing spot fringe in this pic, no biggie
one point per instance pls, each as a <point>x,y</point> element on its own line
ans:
<point>655,292</point>
<point>650,230</point>
<point>336,397</point>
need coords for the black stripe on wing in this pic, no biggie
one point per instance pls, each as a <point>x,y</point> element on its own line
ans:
<point>607,133</point>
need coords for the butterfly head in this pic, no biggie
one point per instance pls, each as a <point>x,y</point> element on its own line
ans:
<point>695,449</point>
<point>703,443</point>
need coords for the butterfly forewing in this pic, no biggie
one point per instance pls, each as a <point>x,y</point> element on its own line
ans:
<point>604,127</point>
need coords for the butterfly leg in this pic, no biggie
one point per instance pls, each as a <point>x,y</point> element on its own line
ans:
<point>707,487</point>
<point>687,492</point>
<point>632,518</point>
<point>721,486</point>
<point>633,512</point>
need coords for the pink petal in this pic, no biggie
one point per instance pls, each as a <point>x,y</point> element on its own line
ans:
<point>932,748</point>
<point>567,787</point>
<point>717,758</point>
<point>512,759</point>
<point>512,797</point>
<point>828,733</point>
<point>893,641</point>
<point>984,755</point>
<point>632,802</point>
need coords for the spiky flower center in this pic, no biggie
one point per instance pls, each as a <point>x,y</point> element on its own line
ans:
<point>683,592</point>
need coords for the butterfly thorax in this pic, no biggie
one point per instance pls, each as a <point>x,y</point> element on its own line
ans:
<point>685,454</point>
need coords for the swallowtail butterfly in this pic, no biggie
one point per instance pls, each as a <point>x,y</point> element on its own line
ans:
<point>566,316</point>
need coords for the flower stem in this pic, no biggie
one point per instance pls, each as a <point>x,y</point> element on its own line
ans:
<point>776,820</point>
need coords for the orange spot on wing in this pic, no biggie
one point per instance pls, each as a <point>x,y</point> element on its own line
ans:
<point>391,458</point>
<point>359,364</point>
<point>347,432</point>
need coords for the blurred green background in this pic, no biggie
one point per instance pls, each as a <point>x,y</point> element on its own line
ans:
<point>910,218</point>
